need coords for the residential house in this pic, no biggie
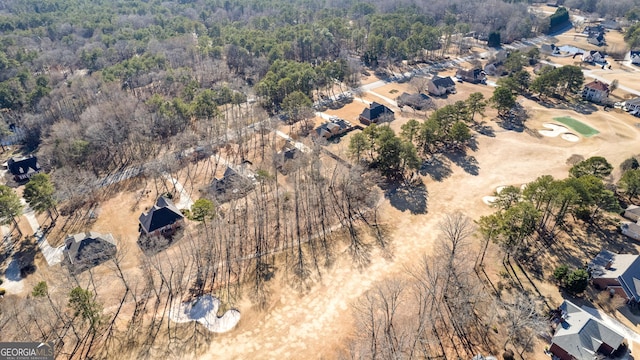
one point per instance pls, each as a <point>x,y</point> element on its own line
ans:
<point>440,86</point>
<point>550,49</point>
<point>593,56</point>
<point>231,184</point>
<point>595,91</point>
<point>334,127</point>
<point>23,168</point>
<point>162,219</point>
<point>415,101</point>
<point>632,106</point>
<point>286,160</point>
<point>581,336</point>
<point>630,229</point>
<point>635,57</point>
<point>593,29</point>
<point>596,39</point>
<point>374,113</point>
<point>632,212</point>
<point>618,273</point>
<point>610,25</point>
<point>474,76</point>
<point>85,250</point>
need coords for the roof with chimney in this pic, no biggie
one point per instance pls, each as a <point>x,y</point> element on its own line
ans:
<point>581,334</point>
<point>623,267</point>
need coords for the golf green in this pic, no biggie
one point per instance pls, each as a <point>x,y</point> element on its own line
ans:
<point>584,129</point>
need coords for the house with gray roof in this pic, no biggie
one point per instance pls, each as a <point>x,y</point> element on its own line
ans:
<point>162,219</point>
<point>85,250</point>
<point>441,86</point>
<point>581,336</point>
<point>632,212</point>
<point>619,273</point>
<point>635,57</point>
<point>633,106</point>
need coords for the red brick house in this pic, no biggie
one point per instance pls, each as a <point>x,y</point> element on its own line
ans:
<point>619,273</point>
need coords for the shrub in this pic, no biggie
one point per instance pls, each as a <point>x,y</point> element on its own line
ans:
<point>629,164</point>
<point>577,281</point>
<point>2,292</point>
<point>560,274</point>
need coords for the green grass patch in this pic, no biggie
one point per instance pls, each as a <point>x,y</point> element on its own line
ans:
<point>584,129</point>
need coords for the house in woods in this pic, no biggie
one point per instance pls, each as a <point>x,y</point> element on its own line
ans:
<point>374,113</point>
<point>287,159</point>
<point>415,101</point>
<point>162,219</point>
<point>231,184</point>
<point>474,76</point>
<point>334,127</point>
<point>635,57</point>
<point>440,86</point>
<point>610,25</point>
<point>633,106</point>
<point>593,56</point>
<point>23,168</point>
<point>85,250</point>
<point>582,336</point>
<point>630,229</point>
<point>595,91</point>
<point>618,273</point>
<point>632,212</point>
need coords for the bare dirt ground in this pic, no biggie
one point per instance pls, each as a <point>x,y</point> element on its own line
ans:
<point>314,325</point>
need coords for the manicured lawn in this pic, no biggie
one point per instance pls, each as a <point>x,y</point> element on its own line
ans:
<point>584,129</point>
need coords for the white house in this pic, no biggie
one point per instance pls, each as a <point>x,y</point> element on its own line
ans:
<point>441,86</point>
<point>630,229</point>
<point>595,91</point>
<point>632,106</point>
<point>632,212</point>
<point>593,57</point>
<point>635,57</point>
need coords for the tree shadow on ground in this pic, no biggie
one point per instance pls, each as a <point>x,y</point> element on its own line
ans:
<point>152,245</point>
<point>23,262</point>
<point>468,163</point>
<point>438,168</point>
<point>511,123</point>
<point>405,195</point>
<point>584,108</point>
<point>483,129</point>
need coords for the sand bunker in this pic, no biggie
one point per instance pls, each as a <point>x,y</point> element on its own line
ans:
<point>488,200</point>
<point>553,130</point>
<point>570,137</point>
<point>204,310</point>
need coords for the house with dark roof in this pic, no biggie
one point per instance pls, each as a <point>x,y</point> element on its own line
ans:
<point>635,57</point>
<point>440,86</point>
<point>374,113</point>
<point>474,76</point>
<point>23,168</point>
<point>596,39</point>
<point>619,273</point>
<point>593,29</point>
<point>286,160</point>
<point>85,250</point>
<point>231,184</point>
<point>415,101</point>
<point>595,91</point>
<point>582,336</point>
<point>334,127</point>
<point>162,219</point>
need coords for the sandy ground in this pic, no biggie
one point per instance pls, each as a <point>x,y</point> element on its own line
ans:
<point>313,325</point>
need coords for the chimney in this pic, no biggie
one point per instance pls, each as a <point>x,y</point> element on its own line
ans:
<point>609,263</point>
